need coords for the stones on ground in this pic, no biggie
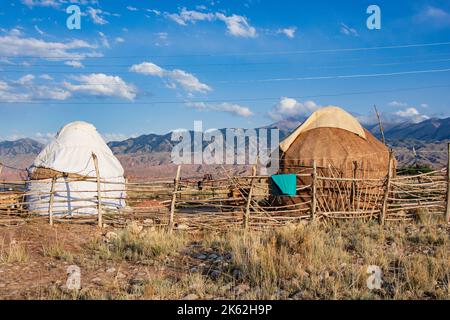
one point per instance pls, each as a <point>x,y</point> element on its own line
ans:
<point>201,257</point>
<point>111,270</point>
<point>214,274</point>
<point>193,270</point>
<point>296,295</point>
<point>213,256</point>
<point>191,296</point>
<point>237,274</point>
<point>137,282</point>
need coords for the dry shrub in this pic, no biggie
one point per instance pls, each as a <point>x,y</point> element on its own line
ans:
<point>147,244</point>
<point>13,252</point>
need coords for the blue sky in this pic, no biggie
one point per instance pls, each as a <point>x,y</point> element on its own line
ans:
<point>138,67</point>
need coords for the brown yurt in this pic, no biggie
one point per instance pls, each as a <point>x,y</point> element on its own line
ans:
<point>340,148</point>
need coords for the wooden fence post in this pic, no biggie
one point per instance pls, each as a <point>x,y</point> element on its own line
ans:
<point>314,191</point>
<point>99,196</point>
<point>174,198</point>
<point>1,168</point>
<point>388,188</point>
<point>50,204</point>
<point>447,211</point>
<point>249,199</point>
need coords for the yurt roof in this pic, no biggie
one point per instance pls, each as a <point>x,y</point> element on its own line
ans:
<point>327,117</point>
<point>71,152</point>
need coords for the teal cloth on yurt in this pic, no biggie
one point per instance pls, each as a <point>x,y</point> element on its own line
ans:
<point>284,184</point>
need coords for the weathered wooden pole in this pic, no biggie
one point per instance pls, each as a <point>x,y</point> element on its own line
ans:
<point>50,204</point>
<point>99,196</point>
<point>447,211</point>
<point>388,188</point>
<point>249,199</point>
<point>314,191</point>
<point>380,124</point>
<point>174,198</point>
<point>1,168</point>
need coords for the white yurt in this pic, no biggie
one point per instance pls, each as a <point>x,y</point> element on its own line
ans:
<point>67,163</point>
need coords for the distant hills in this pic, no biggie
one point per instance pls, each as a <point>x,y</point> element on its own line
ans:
<point>424,142</point>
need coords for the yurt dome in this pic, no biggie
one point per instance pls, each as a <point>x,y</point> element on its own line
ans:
<point>68,161</point>
<point>335,141</point>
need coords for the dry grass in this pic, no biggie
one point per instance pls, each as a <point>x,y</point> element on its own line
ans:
<point>14,252</point>
<point>142,245</point>
<point>304,261</point>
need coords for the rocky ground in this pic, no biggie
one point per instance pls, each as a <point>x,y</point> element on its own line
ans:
<point>307,261</point>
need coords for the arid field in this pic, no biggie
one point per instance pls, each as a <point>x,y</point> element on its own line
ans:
<point>303,261</point>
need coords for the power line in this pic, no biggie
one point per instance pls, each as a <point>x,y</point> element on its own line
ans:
<point>293,52</point>
<point>226,99</point>
<point>347,76</point>
<point>240,70</point>
<point>368,75</point>
<point>227,64</point>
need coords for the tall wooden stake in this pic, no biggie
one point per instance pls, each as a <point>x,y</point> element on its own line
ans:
<point>50,205</point>
<point>99,196</point>
<point>314,191</point>
<point>174,198</point>
<point>1,168</point>
<point>447,211</point>
<point>249,199</point>
<point>388,187</point>
<point>380,124</point>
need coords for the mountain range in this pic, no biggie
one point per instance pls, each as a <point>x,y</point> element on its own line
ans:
<point>149,155</point>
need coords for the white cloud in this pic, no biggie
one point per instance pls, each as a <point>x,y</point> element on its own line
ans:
<point>41,3</point>
<point>16,45</point>
<point>119,40</point>
<point>75,64</point>
<point>348,31</point>
<point>103,39</point>
<point>435,16</point>
<point>45,77</point>
<point>10,94</point>
<point>24,90</point>
<point>99,84</point>
<point>108,137</point>
<point>397,104</point>
<point>412,114</point>
<point>27,79</point>
<point>288,32</point>
<point>174,77</point>
<point>131,8</point>
<point>50,93</point>
<point>290,108</point>
<point>424,105</point>
<point>232,108</point>
<point>96,16</point>
<point>156,12</point>
<point>44,138</point>
<point>237,25</point>
<point>39,30</point>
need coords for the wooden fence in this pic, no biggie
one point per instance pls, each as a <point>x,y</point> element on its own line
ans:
<point>234,201</point>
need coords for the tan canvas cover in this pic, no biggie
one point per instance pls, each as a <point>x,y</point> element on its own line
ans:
<point>328,117</point>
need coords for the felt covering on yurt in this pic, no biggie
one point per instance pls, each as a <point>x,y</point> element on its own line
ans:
<point>68,159</point>
<point>334,139</point>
